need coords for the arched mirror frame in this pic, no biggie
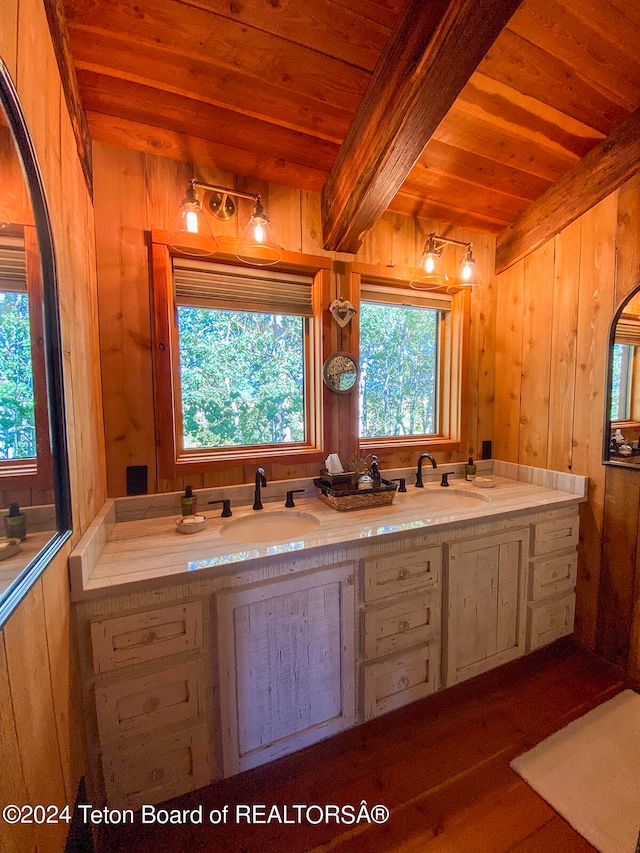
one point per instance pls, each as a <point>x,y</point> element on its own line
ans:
<point>609,425</point>
<point>53,350</point>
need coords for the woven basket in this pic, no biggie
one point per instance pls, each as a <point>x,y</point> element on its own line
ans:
<point>343,501</point>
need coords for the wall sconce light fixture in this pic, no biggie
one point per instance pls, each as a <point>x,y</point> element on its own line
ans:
<point>431,273</point>
<point>191,233</point>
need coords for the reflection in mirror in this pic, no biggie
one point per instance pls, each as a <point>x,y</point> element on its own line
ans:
<point>34,492</point>
<point>622,422</point>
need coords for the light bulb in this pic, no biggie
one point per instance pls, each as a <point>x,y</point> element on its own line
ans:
<point>192,222</point>
<point>258,233</point>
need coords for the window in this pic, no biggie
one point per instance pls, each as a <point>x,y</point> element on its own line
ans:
<point>625,389</point>
<point>241,378</point>
<point>25,457</point>
<point>412,360</point>
<point>621,382</point>
<point>236,360</point>
<point>399,347</point>
<point>17,411</point>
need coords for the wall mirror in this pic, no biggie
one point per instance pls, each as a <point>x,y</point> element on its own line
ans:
<point>35,509</point>
<point>341,372</point>
<point>622,412</point>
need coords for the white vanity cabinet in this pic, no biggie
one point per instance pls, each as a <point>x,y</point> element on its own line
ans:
<point>485,603</point>
<point>401,627</point>
<point>150,696</point>
<point>286,661</point>
<point>552,579</point>
<point>205,674</point>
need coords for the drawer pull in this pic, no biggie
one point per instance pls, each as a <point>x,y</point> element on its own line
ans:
<point>403,574</point>
<point>157,774</point>
<point>554,575</point>
<point>151,705</point>
<point>403,683</point>
<point>405,625</point>
<point>150,637</point>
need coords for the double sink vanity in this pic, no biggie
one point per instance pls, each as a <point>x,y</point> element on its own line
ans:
<point>205,655</point>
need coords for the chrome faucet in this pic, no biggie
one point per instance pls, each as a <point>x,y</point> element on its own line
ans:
<point>261,480</point>
<point>419,483</point>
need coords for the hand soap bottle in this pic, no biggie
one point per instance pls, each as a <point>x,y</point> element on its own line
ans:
<point>15,524</point>
<point>189,502</point>
<point>470,470</point>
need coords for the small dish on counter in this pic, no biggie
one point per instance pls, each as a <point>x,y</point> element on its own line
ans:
<point>483,482</point>
<point>191,523</point>
<point>8,547</point>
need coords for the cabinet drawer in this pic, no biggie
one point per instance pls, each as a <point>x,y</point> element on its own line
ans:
<point>125,640</point>
<point>401,622</point>
<point>401,679</point>
<point>158,769</point>
<point>138,705</point>
<point>556,534</point>
<point>553,575</point>
<point>549,620</point>
<point>389,574</point>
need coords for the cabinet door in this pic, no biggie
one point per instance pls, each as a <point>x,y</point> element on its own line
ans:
<point>286,665</point>
<point>485,599</point>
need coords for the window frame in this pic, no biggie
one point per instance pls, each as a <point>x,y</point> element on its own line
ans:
<point>453,359</point>
<point>627,372</point>
<point>35,473</point>
<point>173,460</point>
<point>627,333</point>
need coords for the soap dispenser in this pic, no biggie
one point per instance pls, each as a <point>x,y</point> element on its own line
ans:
<point>189,502</point>
<point>470,470</point>
<point>15,524</point>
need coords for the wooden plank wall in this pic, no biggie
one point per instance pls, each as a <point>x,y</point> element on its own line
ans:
<point>135,192</point>
<point>41,729</point>
<point>551,359</point>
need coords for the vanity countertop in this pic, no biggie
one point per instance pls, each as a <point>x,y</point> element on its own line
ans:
<point>113,556</point>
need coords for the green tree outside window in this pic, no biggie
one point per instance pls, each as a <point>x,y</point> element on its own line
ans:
<point>398,363</point>
<point>242,378</point>
<point>17,412</point>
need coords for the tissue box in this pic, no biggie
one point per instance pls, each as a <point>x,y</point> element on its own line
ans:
<point>338,482</point>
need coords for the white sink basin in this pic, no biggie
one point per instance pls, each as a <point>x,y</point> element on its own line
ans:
<point>448,498</point>
<point>277,526</point>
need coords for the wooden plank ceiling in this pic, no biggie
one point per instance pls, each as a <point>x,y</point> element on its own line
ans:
<point>268,89</point>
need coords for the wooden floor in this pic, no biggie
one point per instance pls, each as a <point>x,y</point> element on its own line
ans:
<point>441,766</point>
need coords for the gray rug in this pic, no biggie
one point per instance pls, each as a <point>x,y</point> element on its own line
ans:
<point>589,772</point>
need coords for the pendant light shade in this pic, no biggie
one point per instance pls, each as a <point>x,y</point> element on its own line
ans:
<point>468,275</point>
<point>257,245</point>
<point>191,233</point>
<point>431,272</point>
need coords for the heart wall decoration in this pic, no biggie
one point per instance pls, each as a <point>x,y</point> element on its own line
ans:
<point>342,311</point>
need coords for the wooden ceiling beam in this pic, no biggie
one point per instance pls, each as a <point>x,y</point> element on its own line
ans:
<point>598,174</point>
<point>430,56</point>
